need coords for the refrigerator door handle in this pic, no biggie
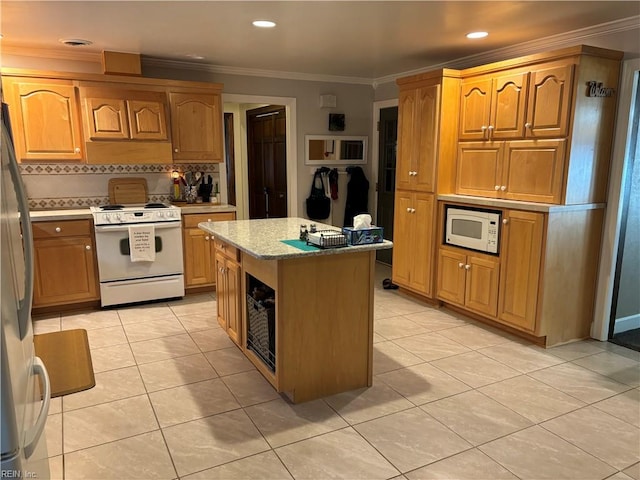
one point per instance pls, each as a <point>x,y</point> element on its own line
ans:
<point>25,304</point>
<point>34,433</point>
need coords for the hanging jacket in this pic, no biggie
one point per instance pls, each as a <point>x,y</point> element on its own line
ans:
<point>357,195</point>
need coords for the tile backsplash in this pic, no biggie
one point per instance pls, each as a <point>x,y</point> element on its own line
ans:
<point>63,185</point>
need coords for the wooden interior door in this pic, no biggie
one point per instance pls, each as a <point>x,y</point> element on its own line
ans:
<point>230,158</point>
<point>387,149</point>
<point>267,162</point>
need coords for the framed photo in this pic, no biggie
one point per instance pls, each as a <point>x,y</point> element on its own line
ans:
<point>336,122</point>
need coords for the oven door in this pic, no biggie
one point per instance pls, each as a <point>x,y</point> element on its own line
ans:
<point>114,258</point>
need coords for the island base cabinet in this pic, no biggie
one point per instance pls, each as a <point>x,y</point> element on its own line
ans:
<point>323,323</point>
<point>228,294</point>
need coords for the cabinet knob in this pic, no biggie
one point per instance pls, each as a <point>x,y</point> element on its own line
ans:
<point>77,149</point>
<point>175,150</point>
<point>527,125</point>
<point>87,247</point>
<point>208,219</point>
<point>467,267</point>
<point>490,127</point>
<point>206,238</point>
<point>497,187</point>
<point>460,265</point>
<point>413,210</point>
<point>483,128</point>
<point>505,221</point>
<point>503,188</point>
<point>408,210</point>
<point>58,229</point>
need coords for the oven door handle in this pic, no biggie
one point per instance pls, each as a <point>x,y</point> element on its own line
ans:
<point>125,228</point>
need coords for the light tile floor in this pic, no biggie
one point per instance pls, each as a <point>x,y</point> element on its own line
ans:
<point>452,398</point>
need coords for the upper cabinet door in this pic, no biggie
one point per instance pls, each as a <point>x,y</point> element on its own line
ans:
<point>508,104</point>
<point>147,120</point>
<point>549,101</point>
<point>196,123</point>
<point>475,108</point>
<point>45,118</point>
<point>479,168</point>
<point>428,112</point>
<point>406,122</point>
<point>106,119</point>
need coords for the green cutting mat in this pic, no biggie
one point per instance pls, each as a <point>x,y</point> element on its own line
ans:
<point>300,245</point>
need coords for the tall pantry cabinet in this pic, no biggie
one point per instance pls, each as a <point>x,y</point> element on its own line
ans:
<point>427,141</point>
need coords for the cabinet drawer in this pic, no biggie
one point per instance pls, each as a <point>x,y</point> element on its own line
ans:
<point>65,228</point>
<point>192,220</point>
<point>227,250</point>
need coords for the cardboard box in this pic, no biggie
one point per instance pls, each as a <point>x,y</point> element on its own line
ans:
<point>364,236</point>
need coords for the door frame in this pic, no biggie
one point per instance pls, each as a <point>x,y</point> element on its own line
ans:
<point>241,163</point>
<point>628,97</point>
<point>375,147</point>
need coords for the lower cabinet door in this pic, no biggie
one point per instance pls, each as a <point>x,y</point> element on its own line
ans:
<point>197,258</point>
<point>481,290</point>
<point>234,301</point>
<point>451,276</point>
<point>522,237</point>
<point>65,271</point>
<point>221,290</point>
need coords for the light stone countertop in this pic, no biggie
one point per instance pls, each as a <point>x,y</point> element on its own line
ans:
<point>261,238</point>
<point>517,205</point>
<point>85,213</point>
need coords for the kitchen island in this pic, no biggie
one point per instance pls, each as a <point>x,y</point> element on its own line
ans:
<point>302,315</point>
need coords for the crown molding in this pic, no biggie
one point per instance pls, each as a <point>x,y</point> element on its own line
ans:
<point>252,72</point>
<point>62,53</point>
<point>553,42</point>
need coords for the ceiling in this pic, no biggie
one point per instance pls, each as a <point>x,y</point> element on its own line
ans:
<point>363,40</point>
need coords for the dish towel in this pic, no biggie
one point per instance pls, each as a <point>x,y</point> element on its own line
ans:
<point>142,243</point>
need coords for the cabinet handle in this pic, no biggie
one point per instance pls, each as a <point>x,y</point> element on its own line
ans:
<point>77,150</point>
<point>58,229</point>
<point>497,187</point>
<point>503,188</point>
<point>87,247</point>
<point>505,221</point>
<point>467,267</point>
<point>527,125</point>
<point>460,265</point>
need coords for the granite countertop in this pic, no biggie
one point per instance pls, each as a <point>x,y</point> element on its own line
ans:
<point>517,205</point>
<point>262,238</point>
<point>85,213</point>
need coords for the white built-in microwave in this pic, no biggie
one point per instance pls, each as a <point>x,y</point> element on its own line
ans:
<point>471,227</point>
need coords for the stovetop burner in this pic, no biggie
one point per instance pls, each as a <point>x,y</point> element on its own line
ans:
<point>155,205</point>
<point>111,207</point>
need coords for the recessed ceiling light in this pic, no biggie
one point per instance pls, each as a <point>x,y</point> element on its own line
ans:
<point>264,24</point>
<point>75,42</point>
<point>477,34</point>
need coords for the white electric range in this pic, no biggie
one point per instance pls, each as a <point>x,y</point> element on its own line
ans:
<point>124,278</point>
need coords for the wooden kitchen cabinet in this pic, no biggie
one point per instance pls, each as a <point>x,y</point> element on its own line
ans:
<point>518,103</point>
<point>521,252</point>
<point>413,241</point>
<point>45,119</point>
<point>65,267</point>
<point>527,170</point>
<point>417,138</point>
<point>196,126</point>
<point>199,249</point>
<point>468,280</point>
<point>229,288</point>
<point>115,114</point>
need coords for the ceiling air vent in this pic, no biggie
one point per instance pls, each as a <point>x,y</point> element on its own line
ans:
<point>75,42</point>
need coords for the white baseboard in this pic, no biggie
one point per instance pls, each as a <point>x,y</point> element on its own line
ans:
<point>626,323</point>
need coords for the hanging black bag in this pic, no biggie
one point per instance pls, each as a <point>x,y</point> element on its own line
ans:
<point>318,204</point>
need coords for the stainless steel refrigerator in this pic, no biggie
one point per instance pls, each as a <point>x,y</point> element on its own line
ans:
<point>26,392</point>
